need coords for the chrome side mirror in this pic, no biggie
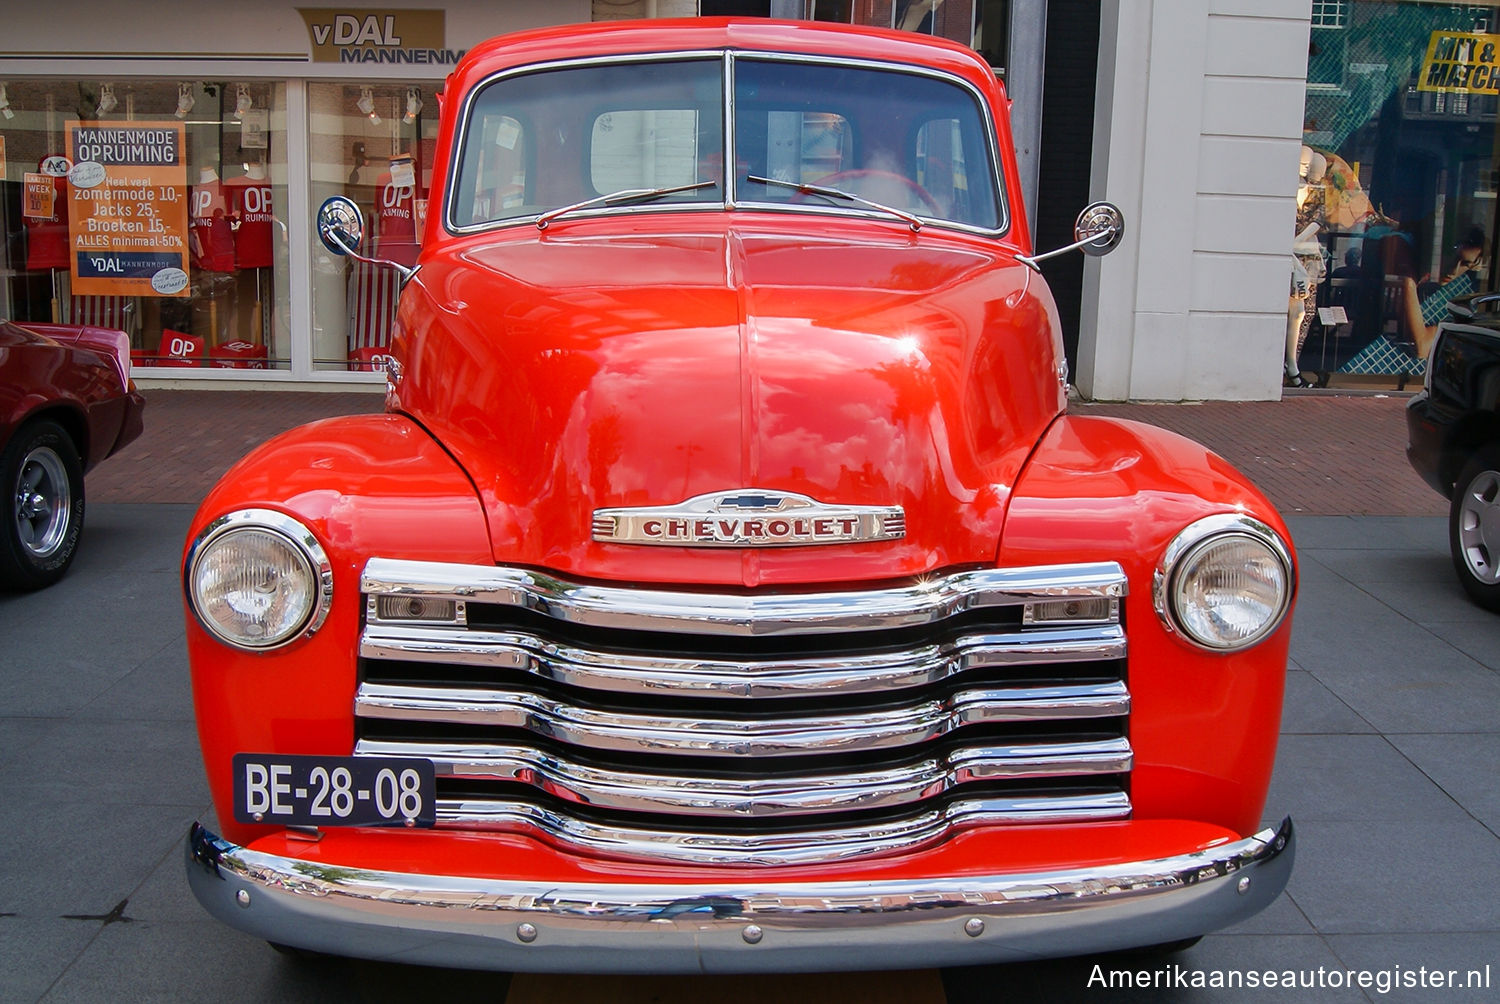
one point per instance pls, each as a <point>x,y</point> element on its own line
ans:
<point>341,228</point>
<point>1099,230</point>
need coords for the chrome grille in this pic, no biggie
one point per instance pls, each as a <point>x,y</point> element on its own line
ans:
<point>749,727</point>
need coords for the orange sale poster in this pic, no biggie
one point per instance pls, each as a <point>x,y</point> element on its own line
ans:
<point>127,201</point>
<point>38,196</point>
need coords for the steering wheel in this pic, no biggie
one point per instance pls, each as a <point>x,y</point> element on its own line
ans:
<point>836,179</point>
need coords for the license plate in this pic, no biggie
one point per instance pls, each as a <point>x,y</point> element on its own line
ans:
<point>334,790</point>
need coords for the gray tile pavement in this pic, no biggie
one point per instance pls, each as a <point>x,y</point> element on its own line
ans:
<point>1388,762</point>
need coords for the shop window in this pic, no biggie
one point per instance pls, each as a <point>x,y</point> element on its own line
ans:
<point>375,144</point>
<point>955,20</point>
<point>837,11</point>
<point>171,224</point>
<point>1397,195</point>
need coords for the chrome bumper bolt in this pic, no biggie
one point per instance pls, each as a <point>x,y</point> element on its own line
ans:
<point>527,933</point>
<point>974,927</point>
<point>752,934</point>
<point>1244,885</point>
<point>242,898</point>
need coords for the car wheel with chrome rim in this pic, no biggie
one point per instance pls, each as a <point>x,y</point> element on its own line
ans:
<point>43,505</point>
<point>1474,528</point>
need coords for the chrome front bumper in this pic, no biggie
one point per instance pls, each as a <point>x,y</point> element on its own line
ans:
<point>806,926</point>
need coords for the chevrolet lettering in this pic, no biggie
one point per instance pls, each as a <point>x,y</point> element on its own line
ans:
<point>726,585</point>
<point>749,519</point>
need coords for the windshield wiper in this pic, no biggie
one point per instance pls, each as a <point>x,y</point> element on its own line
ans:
<point>838,193</point>
<point>615,198</point>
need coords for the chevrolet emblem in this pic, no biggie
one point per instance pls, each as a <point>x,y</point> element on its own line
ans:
<point>749,517</point>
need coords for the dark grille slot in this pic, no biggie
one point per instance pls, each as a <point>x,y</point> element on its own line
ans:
<point>494,617</point>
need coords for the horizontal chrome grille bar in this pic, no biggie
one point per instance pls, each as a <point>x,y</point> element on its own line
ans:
<point>802,847</point>
<point>923,603</point>
<point>844,674</point>
<point>888,728</point>
<point>807,793</point>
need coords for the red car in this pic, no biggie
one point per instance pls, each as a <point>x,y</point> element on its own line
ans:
<point>727,586</point>
<point>66,403</point>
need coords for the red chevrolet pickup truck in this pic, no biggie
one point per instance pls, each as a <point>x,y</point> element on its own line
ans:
<point>726,585</point>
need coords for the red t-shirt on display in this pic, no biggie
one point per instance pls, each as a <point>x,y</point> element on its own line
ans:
<point>47,238</point>
<point>211,234</point>
<point>250,204</point>
<point>396,221</point>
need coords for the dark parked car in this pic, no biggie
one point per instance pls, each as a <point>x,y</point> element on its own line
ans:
<point>66,403</point>
<point>1454,431</point>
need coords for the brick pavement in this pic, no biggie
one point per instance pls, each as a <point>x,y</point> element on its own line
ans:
<point>1312,454</point>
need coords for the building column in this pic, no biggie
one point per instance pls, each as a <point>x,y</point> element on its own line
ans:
<point>1197,133</point>
<point>1023,84</point>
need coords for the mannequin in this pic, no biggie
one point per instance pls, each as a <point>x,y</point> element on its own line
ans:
<point>211,239</point>
<point>250,208</point>
<point>249,198</point>
<point>1307,265</point>
<point>396,236</point>
<point>209,227</point>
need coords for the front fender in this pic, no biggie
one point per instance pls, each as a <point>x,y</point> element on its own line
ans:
<point>364,485</point>
<point>1203,724</point>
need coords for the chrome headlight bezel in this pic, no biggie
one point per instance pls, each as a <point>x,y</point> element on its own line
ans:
<point>302,544</point>
<point>1194,541</point>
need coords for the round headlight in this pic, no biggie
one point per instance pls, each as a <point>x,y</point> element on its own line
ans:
<point>258,579</point>
<point>1225,582</point>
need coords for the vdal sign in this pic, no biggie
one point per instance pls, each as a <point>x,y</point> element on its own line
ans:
<point>354,35</point>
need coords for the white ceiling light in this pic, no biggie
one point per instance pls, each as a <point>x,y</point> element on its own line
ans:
<point>366,104</point>
<point>184,99</point>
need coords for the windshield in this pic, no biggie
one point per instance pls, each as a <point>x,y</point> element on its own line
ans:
<point>577,138</point>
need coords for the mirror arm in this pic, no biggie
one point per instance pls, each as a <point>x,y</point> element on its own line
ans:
<point>402,270</point>
<point>1035,260</point>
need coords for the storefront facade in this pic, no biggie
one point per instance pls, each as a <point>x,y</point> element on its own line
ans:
<point>221,130</point>
<point>1195,130</point>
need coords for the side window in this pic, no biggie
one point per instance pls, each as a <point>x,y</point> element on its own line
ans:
<point>501,169</point>
<point>646,148</point>
<point>942,167</point>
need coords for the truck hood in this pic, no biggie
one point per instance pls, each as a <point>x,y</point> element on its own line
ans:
<point>587,368</point>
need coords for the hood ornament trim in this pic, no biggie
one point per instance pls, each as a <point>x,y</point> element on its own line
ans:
<point>749,517</point>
